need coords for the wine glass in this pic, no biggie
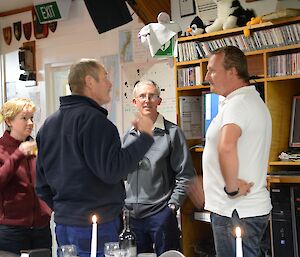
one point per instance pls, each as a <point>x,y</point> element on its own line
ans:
<point>110,248</point>
<point>67,251</point>
<point>122,253</point>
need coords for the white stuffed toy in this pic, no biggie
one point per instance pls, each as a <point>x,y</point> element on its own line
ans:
<point>230,14</point>
<point>156,35</point>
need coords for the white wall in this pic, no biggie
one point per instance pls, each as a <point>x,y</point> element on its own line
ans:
<point>75,38</point>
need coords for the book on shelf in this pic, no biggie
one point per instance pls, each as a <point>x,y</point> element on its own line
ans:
<point>261,39</point>
<point>190,76</point>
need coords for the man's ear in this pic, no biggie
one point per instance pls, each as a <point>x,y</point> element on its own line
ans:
<point>159,100</point>
<point>89,80</point>
<point>133,101</point>
<point>233,71</point>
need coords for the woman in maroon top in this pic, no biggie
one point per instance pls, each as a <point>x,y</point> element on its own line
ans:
<point>24,218</point>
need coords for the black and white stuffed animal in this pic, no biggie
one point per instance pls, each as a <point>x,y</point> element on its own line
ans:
<point>230,14</point>
<point>197,26</point>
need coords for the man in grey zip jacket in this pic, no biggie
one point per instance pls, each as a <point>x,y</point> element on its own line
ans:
<point>157,188</point>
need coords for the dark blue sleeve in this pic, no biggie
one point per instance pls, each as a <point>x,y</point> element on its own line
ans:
<point>103,152</point>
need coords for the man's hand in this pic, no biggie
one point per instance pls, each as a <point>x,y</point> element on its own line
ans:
<point>244,187</point>
<point>143,124</point>
<point>196,193</point>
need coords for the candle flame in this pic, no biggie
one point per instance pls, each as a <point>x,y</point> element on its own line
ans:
<point>94,219</point>
<point>238,232</point>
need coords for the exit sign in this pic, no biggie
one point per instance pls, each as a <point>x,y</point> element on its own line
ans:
<point>47,12</point>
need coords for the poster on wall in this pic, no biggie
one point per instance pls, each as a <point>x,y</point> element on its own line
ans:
<point>125,46</point>
<point>111,64</point>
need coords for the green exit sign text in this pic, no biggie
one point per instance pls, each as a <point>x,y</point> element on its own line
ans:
<point>47,12</point>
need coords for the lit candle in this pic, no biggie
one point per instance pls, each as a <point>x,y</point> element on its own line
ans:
<point>239,248</point>
<point>94,237</point>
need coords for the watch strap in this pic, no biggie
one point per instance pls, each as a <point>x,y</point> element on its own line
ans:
<point>234,193</point>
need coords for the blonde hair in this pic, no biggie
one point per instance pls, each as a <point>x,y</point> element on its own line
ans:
<point>80,70</point>
<point>13,107</point>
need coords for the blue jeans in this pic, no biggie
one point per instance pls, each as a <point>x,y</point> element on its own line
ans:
<point>160,229</point>
<point>253,230</point>
<point>16,238</point>
<point>81,236</point>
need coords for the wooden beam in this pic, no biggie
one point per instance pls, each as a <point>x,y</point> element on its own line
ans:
<point>148,12</point>
<point>16,11</point>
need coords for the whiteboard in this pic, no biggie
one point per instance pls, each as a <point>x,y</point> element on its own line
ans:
<point>162,73</point>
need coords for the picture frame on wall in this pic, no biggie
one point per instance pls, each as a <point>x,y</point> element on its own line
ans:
<point>187,8</point>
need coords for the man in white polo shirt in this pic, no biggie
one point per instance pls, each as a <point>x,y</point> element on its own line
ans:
<point>236,155</point>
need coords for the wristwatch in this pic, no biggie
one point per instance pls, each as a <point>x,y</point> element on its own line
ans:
<point>232,194</point>
<point>173,207</point>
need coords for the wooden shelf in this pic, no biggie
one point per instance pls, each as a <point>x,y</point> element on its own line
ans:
<point>192,88</point>
<point>284,163</point>
<point>239,30</point>
<point>188,62</point>
<point>283,78</point>
<point>283,179</point>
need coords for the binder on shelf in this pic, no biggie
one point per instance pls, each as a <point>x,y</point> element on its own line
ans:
<point>191,113</point>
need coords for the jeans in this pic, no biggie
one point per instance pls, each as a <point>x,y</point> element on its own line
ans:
<point>16,238</point>
<point>160,229</point>
<point>81,236</point>
<point>253,230</point>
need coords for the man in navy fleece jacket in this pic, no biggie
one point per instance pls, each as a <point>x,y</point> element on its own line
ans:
<point>81,165</point>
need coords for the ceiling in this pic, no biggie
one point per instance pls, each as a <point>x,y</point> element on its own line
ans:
<point>9,5</point>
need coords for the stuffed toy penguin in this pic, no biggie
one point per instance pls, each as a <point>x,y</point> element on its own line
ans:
<point>230,14</point>
<point>197,27</point>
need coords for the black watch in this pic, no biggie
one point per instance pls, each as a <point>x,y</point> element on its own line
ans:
<point>173,207</point>
<point>234,193</point>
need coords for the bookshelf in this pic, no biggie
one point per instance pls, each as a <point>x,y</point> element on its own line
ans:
<point>273,56</point>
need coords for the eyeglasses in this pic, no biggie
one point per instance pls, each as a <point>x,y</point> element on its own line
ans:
<point>149,97</point>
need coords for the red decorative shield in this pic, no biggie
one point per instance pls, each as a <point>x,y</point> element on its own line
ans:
<point>52,26</point>
<point>40,30</point>
<point>7,35</point>
<point>27,30</point>
<point>18,30</point>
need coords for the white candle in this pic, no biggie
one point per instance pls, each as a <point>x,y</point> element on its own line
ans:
<point>94,237</point>
<point>239,247</point>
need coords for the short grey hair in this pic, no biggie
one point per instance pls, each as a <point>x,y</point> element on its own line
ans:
<point>144,82</point>
<point>80,70</point>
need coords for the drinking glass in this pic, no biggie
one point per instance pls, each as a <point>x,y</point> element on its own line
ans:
<point>67,251</point>
<point>110,248</point>
<point>121,253</point>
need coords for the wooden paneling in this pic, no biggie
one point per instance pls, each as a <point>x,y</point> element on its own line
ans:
<point>16,11</point>
<point>148,11</point>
